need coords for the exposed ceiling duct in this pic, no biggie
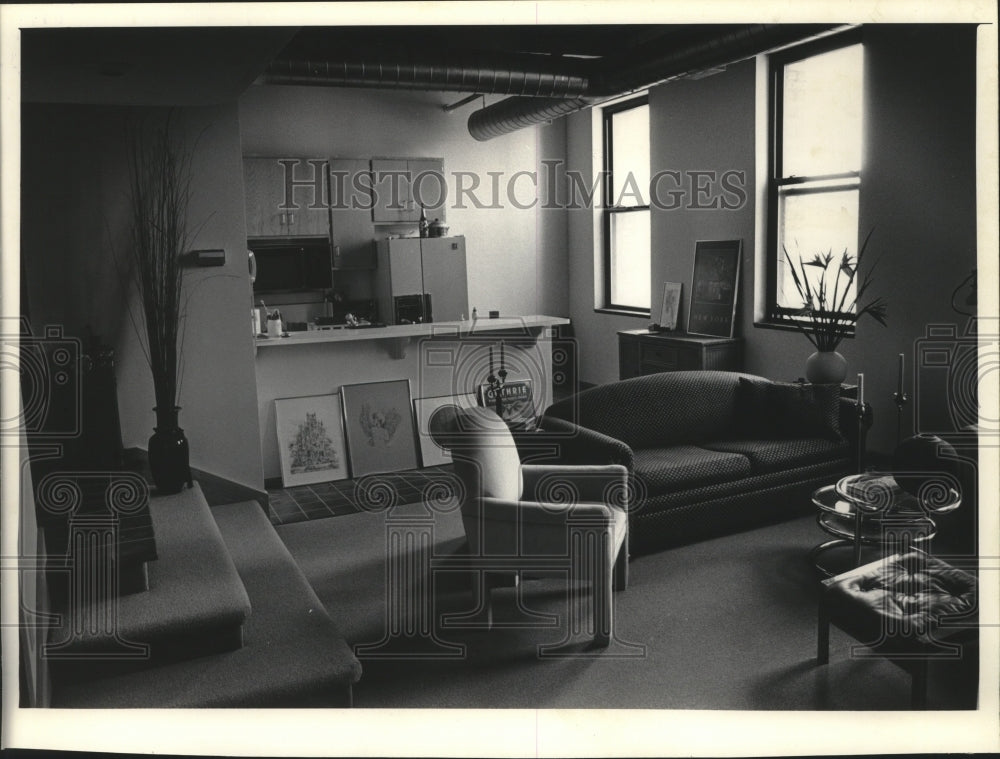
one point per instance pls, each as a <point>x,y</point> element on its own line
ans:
<point>532,76</point>
<point>515,113</point>
<point>643,68</point>
<point>546,75</point>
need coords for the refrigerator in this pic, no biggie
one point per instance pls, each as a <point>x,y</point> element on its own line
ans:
<point>429,271</point>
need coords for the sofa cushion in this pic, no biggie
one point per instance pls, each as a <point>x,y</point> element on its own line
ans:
<point>657,409</point>
<point>774,455</point>
<point>662,470</point>
<point>767,409</point>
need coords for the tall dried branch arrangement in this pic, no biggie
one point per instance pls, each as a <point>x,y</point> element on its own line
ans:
<point>160,192</point>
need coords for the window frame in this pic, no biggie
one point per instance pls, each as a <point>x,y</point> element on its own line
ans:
<point>776,181</point>
<point>608,209</point>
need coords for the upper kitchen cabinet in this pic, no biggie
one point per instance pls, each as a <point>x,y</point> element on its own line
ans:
<point>402,184</point>
<point>286,197</point>
<point>351,226</point>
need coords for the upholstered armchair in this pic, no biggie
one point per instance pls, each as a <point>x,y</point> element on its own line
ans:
<point>531,519</point>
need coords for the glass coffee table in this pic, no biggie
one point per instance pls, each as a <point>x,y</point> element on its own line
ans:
<point>871,509</point>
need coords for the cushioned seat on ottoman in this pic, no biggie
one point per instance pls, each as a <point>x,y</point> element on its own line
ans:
<point>897,606</point>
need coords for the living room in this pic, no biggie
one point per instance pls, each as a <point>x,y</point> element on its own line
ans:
<point>921,199</point>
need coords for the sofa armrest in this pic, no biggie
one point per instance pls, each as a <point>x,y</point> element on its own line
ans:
<point>606,484</point>
<point>579,445</point>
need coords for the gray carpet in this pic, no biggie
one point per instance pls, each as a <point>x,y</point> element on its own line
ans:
<point>727,623</point>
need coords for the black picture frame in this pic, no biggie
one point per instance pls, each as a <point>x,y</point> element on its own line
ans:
<point>715,284</point>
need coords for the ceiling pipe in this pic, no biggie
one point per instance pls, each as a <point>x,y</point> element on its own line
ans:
<point>464,101</point>
<point>528,76</point>
<point>643,68</point>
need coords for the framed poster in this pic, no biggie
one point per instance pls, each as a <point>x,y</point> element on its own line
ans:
<point>517,403</point>
<point>671,307</point>
<point>378,424</point>
<point>714,287</point>
<point>310,439</point>
<point>431,454</point>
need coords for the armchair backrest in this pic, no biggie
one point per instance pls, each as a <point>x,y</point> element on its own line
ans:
<point>485,456</point>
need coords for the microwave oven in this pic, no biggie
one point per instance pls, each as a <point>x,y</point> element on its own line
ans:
<point>291,265</point>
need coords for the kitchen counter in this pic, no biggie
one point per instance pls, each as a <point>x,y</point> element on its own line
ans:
<point>523,325</point>
<point>445,359</point>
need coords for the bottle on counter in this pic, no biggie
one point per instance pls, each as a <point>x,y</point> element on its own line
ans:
<point>424,225</point>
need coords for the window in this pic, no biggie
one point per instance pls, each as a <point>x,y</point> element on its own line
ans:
<point>815,164</point>
<point>626,206</point>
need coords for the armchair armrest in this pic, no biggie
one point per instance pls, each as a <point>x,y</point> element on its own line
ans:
<point>580,445</point>
<point>541,513</point>
<point>605,484</point>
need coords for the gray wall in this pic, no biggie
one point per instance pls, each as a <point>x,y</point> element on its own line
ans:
<point>918,194</point>
<point>74,217</point>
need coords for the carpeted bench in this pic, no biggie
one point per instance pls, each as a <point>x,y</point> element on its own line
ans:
<point>293,653</point>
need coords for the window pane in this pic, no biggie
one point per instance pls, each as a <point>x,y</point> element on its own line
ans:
<point>822,113</point>
<point>811,224</point>
<point>630,264</point>
<point>630,157</point>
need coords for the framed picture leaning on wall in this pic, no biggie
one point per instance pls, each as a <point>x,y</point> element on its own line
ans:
<point>310,439</point>
<point>714,287</point>
<point>431,454</point>
<point>378,422</point>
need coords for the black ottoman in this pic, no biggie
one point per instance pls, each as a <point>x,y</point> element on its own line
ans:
<point>911,608</point>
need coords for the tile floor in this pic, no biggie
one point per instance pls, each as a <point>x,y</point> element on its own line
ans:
<point>329,499</point>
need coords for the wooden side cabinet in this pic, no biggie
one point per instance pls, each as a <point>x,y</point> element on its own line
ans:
<point>643,352</point>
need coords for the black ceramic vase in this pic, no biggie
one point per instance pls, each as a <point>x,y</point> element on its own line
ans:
<point>168,453</point>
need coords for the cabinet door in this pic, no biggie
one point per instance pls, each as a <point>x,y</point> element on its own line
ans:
<point>286,197</point>
<point>445,277</point>
<point>392,191</point>
<point>628,356</point>
<point>307,197</point>
<point>350,214</point>
<point>427,187</point>
<point>263,183</point>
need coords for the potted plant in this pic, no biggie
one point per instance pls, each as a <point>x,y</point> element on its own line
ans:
<point>832,303</point>
<point>159,192</point>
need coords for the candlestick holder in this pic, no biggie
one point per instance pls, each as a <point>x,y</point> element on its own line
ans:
<point>497,381</point>
<point>900,398</point>
<point>864,417</point>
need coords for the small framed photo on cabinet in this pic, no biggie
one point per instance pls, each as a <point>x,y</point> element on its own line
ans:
<point>671,306</point>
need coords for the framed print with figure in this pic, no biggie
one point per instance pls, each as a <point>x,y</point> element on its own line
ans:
<point>378,423</point>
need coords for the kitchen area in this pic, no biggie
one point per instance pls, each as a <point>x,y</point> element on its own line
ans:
<point>356,279</point>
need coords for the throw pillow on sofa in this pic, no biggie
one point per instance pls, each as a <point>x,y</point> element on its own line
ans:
<point>788,409</point>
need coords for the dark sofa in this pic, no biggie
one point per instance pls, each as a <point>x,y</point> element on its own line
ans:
<point>709,451</point>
